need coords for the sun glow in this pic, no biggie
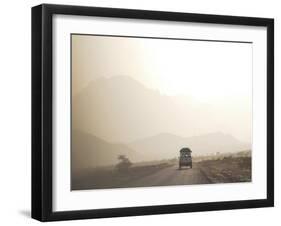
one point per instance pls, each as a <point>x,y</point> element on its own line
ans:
<point>205,79</point>
<point>203,70</point>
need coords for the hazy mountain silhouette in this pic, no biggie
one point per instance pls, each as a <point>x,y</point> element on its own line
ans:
<point>89,151</point>
<point>168,145</point>
<point>121,109</point>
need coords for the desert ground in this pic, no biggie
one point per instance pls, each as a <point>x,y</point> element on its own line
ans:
<point>206,170</point>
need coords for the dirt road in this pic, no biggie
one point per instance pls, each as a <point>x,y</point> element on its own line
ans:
<point>172,176</point>
<point>225,170</point>
<point>145,177</point>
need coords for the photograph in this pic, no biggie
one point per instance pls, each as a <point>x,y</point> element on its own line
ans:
<point>159,111</point>
<point>140,112</point>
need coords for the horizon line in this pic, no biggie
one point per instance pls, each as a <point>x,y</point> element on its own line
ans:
<point>155,135</point>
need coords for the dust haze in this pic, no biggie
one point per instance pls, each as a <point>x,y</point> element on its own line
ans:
<point>144,99</point>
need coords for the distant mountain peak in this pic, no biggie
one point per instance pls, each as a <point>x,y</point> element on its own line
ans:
<point>122,109</point>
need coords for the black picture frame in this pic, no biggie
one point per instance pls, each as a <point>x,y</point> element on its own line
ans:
<point>42,106</point>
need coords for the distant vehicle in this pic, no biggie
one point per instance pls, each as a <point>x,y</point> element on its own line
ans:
<point>185,158</point>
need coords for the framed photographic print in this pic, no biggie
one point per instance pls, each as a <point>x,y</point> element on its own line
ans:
<point>140,112</point>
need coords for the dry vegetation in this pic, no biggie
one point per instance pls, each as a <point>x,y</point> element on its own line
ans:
<point>227,168</point>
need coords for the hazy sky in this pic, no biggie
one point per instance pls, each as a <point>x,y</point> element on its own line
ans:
<point>201,69</point>
<point>216,73</point>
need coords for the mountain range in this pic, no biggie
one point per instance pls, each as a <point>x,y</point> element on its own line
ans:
<point>119,115</point>
<point>89,151</point>
<point>121,109</point>
<point>168,145</point>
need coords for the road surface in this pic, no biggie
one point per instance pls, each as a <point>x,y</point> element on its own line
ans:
<point>171,176</point>
<point>166,176</point>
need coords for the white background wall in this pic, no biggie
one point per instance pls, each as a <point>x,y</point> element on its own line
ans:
<point>15,114</point>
